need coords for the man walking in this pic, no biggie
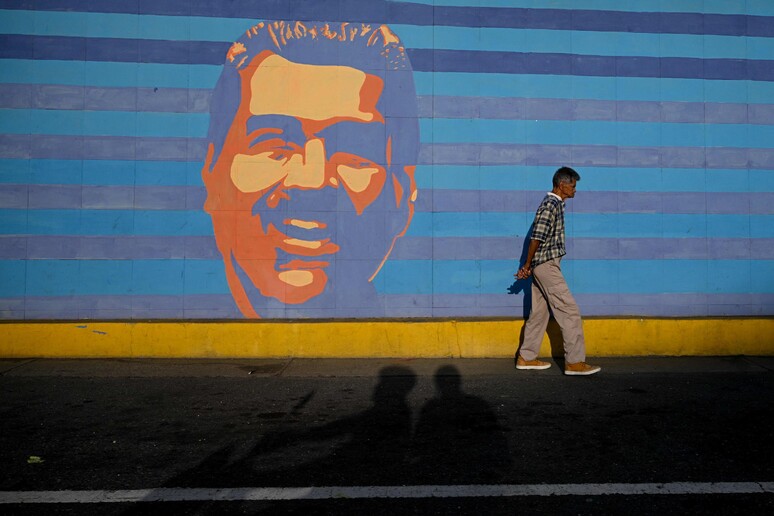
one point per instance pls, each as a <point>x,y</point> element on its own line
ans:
<point>549,289</point>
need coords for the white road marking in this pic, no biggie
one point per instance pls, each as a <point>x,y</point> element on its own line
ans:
<point>166,494</point>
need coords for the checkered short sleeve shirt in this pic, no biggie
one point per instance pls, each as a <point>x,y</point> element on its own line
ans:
<point>549,229</point>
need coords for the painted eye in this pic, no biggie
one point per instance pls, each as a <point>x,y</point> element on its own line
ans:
<point>353,162</point>
<point>275,149</point>
<point>279,154</point>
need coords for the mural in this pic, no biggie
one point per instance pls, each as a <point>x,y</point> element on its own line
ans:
<point>310,164</point>
<point>241,159</point>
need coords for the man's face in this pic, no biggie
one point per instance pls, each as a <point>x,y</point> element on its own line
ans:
<point>300,176</point>
<point>568,189</point>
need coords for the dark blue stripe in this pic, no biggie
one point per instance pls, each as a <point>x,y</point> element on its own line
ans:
<point>22,146</point>
<point>14,46</point>
<point>130,247</point>
<point>178,100</point>
<point>76,196</point>
<point>118,307</point>
<point>515,108</point>
<point>385,11</point>
<point>647,305</point>
<point>596,155</point>
<point>600,66</point>
<point>495,248</point>
<point>423,60</point>
<point>102,147</point>
<point>215,306</point>
<point>163,197</point>
<point>95,98</point>
<point>676,305</point>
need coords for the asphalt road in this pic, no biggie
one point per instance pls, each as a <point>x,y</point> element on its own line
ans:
<point>68,425</point>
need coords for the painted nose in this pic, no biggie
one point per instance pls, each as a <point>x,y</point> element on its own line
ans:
<point>309,172</point>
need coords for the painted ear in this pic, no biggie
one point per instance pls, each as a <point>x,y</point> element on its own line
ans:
<point>208,160</point>
<point>413,192</point>
<point>410,200</point>
<point>411,195</point>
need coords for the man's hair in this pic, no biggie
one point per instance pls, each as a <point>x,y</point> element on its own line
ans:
<point>372,48</point>
<point>565,175</point>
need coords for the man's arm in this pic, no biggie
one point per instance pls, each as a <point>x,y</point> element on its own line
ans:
<point>526,269</point>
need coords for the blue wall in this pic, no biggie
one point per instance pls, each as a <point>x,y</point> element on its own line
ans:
<point>666,108</point>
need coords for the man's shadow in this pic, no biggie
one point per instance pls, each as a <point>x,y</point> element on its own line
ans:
<point>367,448</point>
<point>458,438</point>
<point>525,286</point>
<point>362,449</point>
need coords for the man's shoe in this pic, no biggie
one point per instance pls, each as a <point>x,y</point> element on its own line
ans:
<point>580,369</point>
<point>531,364</point>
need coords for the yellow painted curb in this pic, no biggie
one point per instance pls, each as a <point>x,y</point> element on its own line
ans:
<point>377,338</point>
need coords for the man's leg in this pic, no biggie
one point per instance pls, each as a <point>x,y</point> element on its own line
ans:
<point>551,281</point>
<point>535,326</point>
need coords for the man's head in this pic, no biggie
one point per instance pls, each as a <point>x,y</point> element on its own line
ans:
<point>313,142</point>
<point>564,182</point>
<point>448,381</point>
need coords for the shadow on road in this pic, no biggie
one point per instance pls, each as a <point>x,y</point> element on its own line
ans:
<point>457,440</point>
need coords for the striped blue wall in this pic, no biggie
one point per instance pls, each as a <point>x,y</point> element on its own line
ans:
<point>665,107</point>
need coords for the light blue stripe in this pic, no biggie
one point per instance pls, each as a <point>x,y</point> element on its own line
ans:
<point>763,179</point>
<point>103,123</point>
<point>606,179</point>
<point>205,277</point>
<point>112,277</point>
<point>438,130</point>
<point>17,21</point>
<point>595,88</point>
<point>472,277</point>
<point>584,276</point>
<point>169,173</point>
<point>45,23</point>
<point>754,7</point>
<point>122,26</point>
<point>183,28</point>
<point>12,278</point>
<point>612,179</point>
<point>98,73</point>
<point>595,225</point>
<point>583,132</point>
<point>17,171</point>
<point>750,7</point>
<point>107,172</point>
<point>177,277</point>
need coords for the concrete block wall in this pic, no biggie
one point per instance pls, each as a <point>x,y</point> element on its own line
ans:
<point>666,109</point>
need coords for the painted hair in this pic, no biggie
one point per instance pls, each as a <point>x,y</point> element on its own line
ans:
<point>374,49</point>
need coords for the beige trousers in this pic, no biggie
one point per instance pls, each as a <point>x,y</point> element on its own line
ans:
<point>549,289</point>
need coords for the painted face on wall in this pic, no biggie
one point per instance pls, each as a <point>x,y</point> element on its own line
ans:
<point>302,194</point>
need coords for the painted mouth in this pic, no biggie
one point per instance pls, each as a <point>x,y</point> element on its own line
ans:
<point>299,247</point>
<point>303,247</point>
<point>297,265</point>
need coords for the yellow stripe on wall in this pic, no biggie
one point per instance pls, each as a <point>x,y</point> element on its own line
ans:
<point>377,338</point>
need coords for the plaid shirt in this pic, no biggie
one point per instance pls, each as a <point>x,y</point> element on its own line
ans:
<point>549,229</point>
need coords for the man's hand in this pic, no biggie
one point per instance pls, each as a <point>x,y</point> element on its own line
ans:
<point>524,273</point>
